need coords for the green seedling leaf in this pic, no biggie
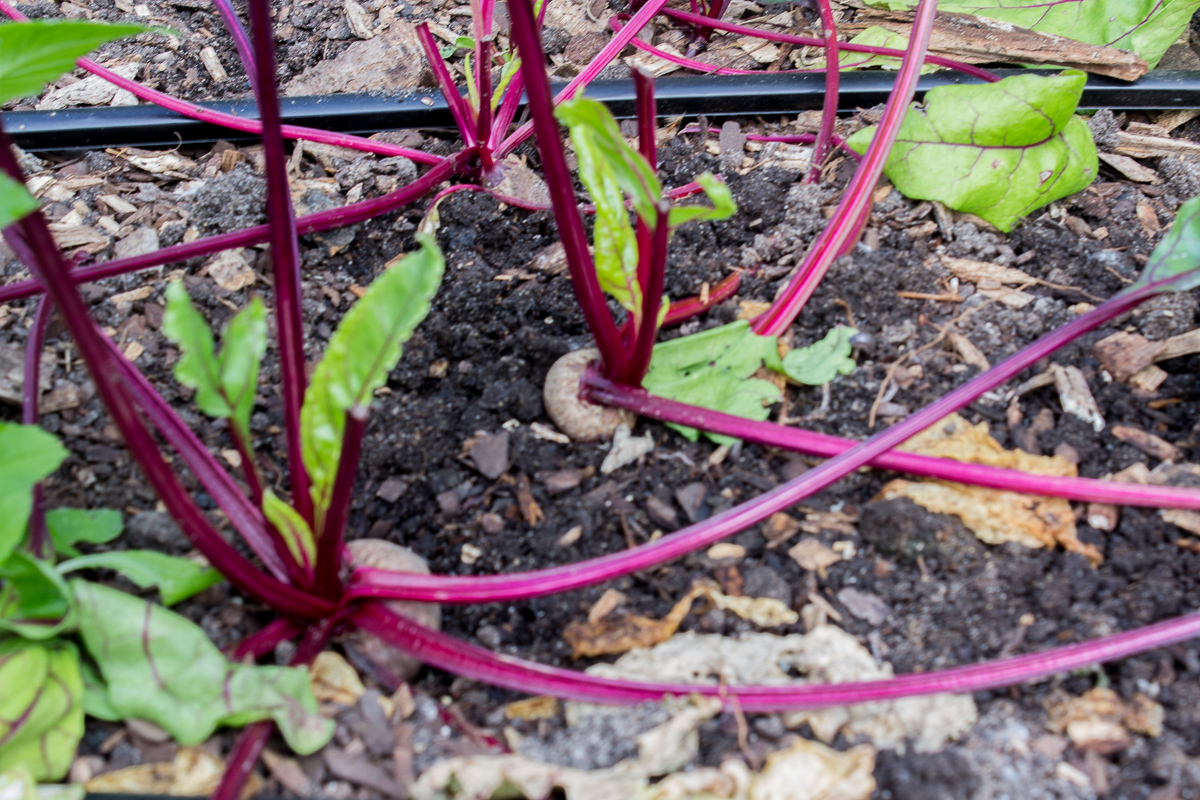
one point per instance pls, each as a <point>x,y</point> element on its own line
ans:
<point>292,527</point>
<point>70,526</point>
<point>822,361</point>
<point>176,578</point>
<point>32,54</point>
<point>95,695</point>
<point>1145,27</point>
<point>999,150</point>
<point>723,206</point>
<point>27,455</point>
<point>34,600</point>
<point>41,707</point>
<point>712,370</point>
<point>224,385</point>
<point>15,201</point>
<point>365,347</point>
<point>1178,254</point>
<point>161,667</point>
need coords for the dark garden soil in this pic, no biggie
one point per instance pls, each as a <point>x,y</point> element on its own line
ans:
<point>476,366</point>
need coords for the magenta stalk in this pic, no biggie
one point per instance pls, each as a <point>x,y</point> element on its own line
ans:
<point>1083,490</point>
<point>809,41</point>
<point>48,266</point>
<point>652,291</point>
<point>265,640</point>
<point>285,257</point>
<point>373,583</point>
<point>472,661</point>
<point>311,223</point>
<point>332,532</point>
<point>459,108</point>
<point>852,212</point>
<point>832,85</point>
<point>245,53</point>
<point>525,35</point>
<point>39,535</point>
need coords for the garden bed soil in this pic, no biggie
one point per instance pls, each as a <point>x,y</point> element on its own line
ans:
<point>475,368</point>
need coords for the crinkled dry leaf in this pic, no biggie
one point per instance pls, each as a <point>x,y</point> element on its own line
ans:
<point>993,515</point>
<point>811,771</point>
<point>334,680</point>
<point>813,555</point>
<point>533,708</point>
<point>825,655</point>
<point>193,773</point>
<point>614,633</point>
<point>1100,720</point>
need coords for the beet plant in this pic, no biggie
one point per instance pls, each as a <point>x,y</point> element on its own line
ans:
<point>301,566</point>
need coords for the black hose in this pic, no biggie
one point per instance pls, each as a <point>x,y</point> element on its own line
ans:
<point>148,125</point>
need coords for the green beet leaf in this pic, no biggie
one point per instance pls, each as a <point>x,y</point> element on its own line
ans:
<point>224,385</point>
<point>161,667</point>
<point>723,206</point>
<point>712,370</point>
<point>822,361</point>
<point>70,526</point>
<point>365,347</point>
<point>32,54</point>
<point>41,707</point>
<point>95,695</point>
<point>18,783</point>
<point>27,455</point>
<point>1145,27</point>
<point>999,150</point>
<point>1178,254</point>
<point>292,527</point>
<point>176,578</point>
<point>35,602</point>
<point>15,201</point>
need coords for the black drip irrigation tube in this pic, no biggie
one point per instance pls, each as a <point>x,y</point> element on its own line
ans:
<point>148,125</point>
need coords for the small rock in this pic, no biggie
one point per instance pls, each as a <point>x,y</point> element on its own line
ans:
<point>490,636</point>
<point>563,480</point>
<point>492,523</point>
<point>490,454</point>
<point>763,581</point>
<point>864,605</point>
<point>391,490</point>
<point>626,449</point>
<point>155,530</point>
<point>691,500</point>
<point>662,513</point>
<point>450,503</point>
<point>811,554</point>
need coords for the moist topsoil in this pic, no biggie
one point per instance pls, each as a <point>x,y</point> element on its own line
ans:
<point>476,366</point>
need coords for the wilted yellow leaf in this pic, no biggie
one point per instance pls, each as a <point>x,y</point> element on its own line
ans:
<point>194,773</point>
<point>993,515</point>
<point>334,680</point>
<point>532,708</point>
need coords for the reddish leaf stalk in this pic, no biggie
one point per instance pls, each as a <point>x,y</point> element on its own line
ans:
<point>333,531</point>
<point>460,109</point>
<point>472,661</point>
<point>265,640</point>
<point>48,266</point>
<point>809,41</point>
<point>311,223</point>
<point>514,586</point>
<point>240,41</point>
<point>1083,490</point>
<point>507,111</point>
<point>832,84</point>
<point>855,206</point>
<point>652,291</point>
<point>647,116</point>
<point>249,463</point>
<point>285,256</point>
<point>524,34</point>
<point>683,310</point>
<point>39,535</point>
